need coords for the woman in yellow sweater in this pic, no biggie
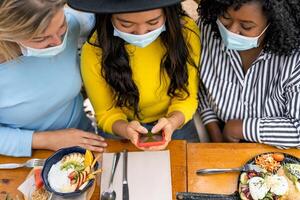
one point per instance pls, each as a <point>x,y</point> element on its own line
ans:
<point>140,68</point>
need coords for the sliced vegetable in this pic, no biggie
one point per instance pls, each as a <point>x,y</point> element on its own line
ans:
<point>268,196</point>
<point>244,178</point>
<point>243,196</point>
<point>252,173</point>
<point>292,171</point>
<point>38,178</point>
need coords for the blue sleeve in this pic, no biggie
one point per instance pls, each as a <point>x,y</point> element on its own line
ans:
<point>15,142</point>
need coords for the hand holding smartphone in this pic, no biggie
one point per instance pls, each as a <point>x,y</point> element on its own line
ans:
<point>151,139</point>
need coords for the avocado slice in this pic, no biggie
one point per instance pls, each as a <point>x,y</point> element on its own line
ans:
<point>292,171</point>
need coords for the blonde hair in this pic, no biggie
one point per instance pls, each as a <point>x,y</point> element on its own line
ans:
<point>23,19</point>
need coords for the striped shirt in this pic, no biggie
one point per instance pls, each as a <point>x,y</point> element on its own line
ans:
<point>266,98</point>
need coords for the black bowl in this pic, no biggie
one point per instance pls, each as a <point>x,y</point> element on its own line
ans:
<point>56,157</point>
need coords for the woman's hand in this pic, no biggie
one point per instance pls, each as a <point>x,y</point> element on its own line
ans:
<point>233,130</point>
<point>133,129</point>
<point>214,131</point>
<point>54,140</point>
<point>167,125</point>
<point>129,130</point>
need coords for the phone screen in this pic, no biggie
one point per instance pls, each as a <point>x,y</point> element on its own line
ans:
<point>150,137</point>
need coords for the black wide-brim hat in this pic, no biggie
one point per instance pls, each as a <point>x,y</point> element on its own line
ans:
<point>119,6</point>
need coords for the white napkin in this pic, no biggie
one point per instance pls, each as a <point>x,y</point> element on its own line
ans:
<point>28,186</point>
<point>149,175</point>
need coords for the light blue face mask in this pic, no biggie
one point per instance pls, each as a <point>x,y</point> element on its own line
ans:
<point>238,42</point>
<point>47,52</point>
<point>140,40</point>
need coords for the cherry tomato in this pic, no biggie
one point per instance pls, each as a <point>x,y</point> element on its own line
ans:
<point>278,157</point>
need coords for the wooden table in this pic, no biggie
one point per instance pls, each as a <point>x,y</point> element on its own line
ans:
<point>214,155</point>
<point>11,179</point>
<point>178,162</point>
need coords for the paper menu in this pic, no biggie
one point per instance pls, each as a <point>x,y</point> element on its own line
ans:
<point>149,175</point>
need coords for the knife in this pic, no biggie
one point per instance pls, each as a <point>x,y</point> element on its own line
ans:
<point>247,167</point>
<point>125,182</point>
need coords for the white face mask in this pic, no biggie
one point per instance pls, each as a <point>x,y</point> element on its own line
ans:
<point>140,40</point>
<point>238,42</point>
<point>47,52</point>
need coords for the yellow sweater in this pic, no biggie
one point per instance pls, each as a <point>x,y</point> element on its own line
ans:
<point>145,62</point>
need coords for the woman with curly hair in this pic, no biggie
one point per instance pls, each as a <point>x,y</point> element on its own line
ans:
<point>140,68</point>
<point>250,70</point>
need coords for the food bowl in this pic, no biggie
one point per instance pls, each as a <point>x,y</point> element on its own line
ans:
<point>55,158</point>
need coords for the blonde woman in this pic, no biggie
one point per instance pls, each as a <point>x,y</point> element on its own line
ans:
<point>40,101</point>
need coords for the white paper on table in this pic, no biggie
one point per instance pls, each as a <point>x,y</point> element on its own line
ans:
<point>28,186</point>
<point>149,175</point>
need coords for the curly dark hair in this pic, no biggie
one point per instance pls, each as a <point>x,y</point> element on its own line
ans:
<point>115,60</point>
<point>283,33</point>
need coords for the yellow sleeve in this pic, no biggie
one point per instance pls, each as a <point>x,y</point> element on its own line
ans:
<point>189,105</point>
<point>97,89</point>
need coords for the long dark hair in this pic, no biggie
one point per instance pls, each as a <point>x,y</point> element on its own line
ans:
<point>115,60</point>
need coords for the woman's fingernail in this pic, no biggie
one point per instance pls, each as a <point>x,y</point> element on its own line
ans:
<point>145,130</point>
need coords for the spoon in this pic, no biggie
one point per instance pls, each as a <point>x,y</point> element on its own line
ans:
<point>110,194</point>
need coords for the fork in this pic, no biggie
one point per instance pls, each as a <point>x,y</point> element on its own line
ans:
<point>247,167</point>
<point>92,118</point>
<point>29,163</point>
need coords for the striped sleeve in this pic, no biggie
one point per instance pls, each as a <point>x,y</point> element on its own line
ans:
<point>279,131</point>
<point>207,115</point>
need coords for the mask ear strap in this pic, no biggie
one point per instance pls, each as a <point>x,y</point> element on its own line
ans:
<point>262,33</point>
<point>264,30</point>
